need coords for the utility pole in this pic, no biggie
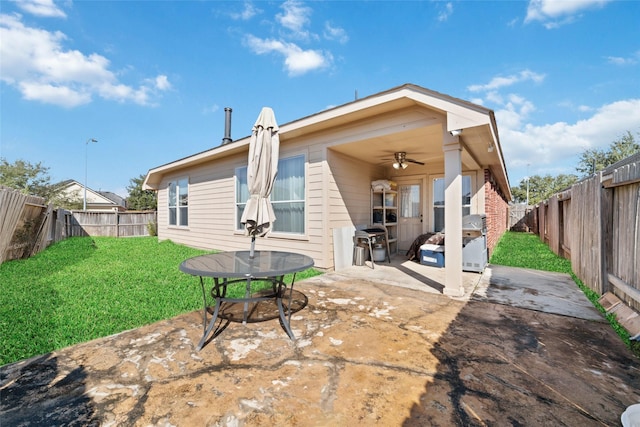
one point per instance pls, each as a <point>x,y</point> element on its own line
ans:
<point>527,205</point>
<point>86,167</point>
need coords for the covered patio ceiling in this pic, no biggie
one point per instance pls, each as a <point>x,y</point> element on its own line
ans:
<point>420,135</point>
<point>414,120</point>
<point>423,144</point>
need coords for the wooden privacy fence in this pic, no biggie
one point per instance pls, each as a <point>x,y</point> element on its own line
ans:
<point>518,217</point>
<point>596,224</point>
<point>28,226</point>
<point>24,221</point>
<point>113,224</point>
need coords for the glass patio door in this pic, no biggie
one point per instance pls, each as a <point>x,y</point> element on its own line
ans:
<point>410,214</point>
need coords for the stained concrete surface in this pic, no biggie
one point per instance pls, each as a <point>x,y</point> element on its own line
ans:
<point>535,290</point>
<point>368,352</point>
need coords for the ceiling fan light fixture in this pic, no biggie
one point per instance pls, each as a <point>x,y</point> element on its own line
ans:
<point>402,162</point>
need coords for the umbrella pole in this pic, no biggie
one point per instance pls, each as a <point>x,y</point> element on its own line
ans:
<point>253,247</point>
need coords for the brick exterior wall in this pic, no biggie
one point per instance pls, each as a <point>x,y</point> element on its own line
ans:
<point>496,209</point>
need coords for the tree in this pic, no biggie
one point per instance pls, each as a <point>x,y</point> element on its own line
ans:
<point>593,160</point>
<point>62,200</point>
<point>542,187</point>
<point>32,179</point>
<point>622,148</point>
<point>139,199</point>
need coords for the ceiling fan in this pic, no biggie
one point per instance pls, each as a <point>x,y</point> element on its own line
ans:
<point>401,161</point>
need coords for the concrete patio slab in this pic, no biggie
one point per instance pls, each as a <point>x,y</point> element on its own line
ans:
<point>535,290</point>
<point>367,353</point>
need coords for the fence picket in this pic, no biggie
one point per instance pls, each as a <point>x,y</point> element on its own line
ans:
<point>598,221</point>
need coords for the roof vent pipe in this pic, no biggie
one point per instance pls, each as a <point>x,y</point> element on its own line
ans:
<point>227,126</point>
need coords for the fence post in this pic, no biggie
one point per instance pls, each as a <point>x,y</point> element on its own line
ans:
<point>606,235</point>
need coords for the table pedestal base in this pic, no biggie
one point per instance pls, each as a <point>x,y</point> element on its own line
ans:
<point>255,307</point>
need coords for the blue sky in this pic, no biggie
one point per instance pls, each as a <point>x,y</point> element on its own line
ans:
<point>150,79</point>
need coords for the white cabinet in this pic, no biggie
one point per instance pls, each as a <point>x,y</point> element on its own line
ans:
<point>384,211</point>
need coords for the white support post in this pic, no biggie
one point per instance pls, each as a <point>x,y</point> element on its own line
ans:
<point>453,215</point>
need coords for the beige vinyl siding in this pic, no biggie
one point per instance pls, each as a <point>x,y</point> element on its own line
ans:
<point>211,203</point>
<point>212,213</point>
<point>211,206</point>
<point>316,208</point>
<point>349,197</point>
<point>349,187</point>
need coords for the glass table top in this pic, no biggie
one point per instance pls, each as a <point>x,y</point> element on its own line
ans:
<point>239,264</point>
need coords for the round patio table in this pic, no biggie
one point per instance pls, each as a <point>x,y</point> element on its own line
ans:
<point>226,268</point>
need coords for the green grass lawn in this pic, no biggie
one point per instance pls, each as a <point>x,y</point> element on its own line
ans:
<point>85,288</point>
<point>527,251</point>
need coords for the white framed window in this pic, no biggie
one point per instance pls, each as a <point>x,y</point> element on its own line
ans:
<point>178,202</point>
<point>438,200</point>
<point>287,197</point>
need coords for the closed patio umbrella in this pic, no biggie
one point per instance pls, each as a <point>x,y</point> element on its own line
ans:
<point>262,168</point>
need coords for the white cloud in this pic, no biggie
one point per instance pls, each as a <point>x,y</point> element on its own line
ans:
<point>552,148</point>
<point>500,82</point>
<point>248,12</point>
<point>211,109</point>
<point>513,22</point>
<point>295,16</point>
<point>554,13</point>
<point>446,13</point>
<point>37,64</point>
<point>162,82</point>
<point>297,61</point>
<point>50,94</point>
<point>294,20</point>
<point>335,33</point>
<point>513,111</point>
<point>495,97</point>
<point>43,8</point>
<point>556,146</point>
<point>630,60</point>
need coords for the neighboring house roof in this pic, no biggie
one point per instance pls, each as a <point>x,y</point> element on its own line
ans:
<point>120,201</point>
<point>481,144</point>
<point>106,198</point>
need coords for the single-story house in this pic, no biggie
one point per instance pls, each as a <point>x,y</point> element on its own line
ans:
<point>443,154</point>
<point>96,200</point>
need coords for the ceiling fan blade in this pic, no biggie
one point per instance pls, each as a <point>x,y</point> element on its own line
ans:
<point>415,161</point>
